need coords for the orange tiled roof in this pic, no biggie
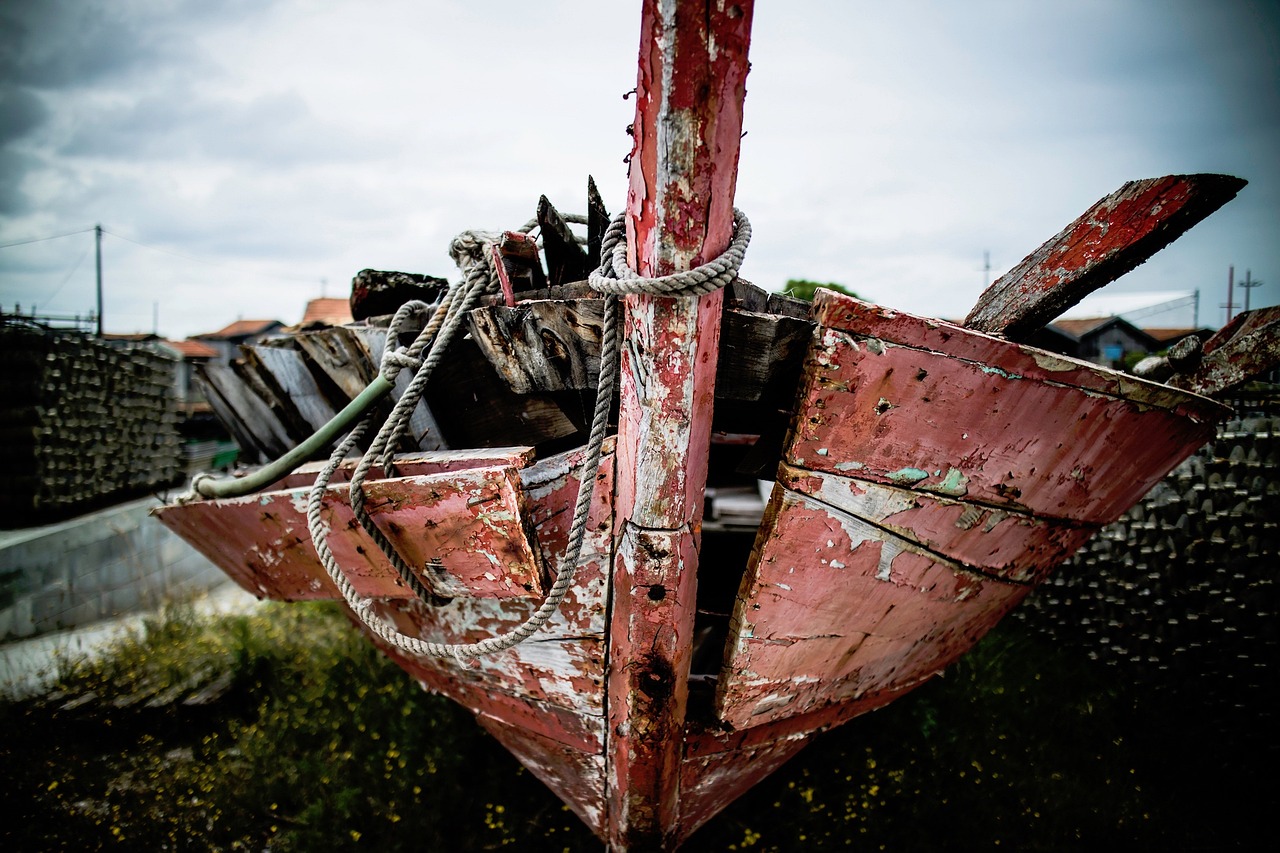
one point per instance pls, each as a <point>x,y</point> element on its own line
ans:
<point>1163,335</point>
<point>192,349</point>
<point>331,310</point>
<point>242,329</point>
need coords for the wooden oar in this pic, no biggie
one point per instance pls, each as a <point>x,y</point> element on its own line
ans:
<point>1115,235</point>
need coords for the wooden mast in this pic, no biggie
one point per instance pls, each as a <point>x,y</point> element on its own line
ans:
<point>690,89</point>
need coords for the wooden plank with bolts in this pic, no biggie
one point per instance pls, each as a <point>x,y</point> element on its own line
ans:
<point>886,410</point>
<point>689,96</point>
<point>1120,231</point>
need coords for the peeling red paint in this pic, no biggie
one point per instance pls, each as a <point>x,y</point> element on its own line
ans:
<point>679,213</point>
<point>462,532</point>
<point>832,609</point>
<point>1048,442</point>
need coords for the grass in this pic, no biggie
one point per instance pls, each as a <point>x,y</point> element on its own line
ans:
<point>318,743</point>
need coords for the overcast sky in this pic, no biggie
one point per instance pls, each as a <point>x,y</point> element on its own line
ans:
<point>260,152</point>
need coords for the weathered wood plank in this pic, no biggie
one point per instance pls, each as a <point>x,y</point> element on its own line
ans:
<point>475,408</point>
<point>710,782</point>
<point>761,356</point>
<point>891,414</point>
<point>285,369</point>
<point>411,464</point>
<point>879,325</point>
<point>542,346</point>
<point>552,684</point>
<point>597,222</point>
<point>1015,546</point>
<point>260,383</point>
<point>1246,347</point>
<point>566,260</point>
<point>693,66</point>
<point>267,432</point>
<point>833,608</point>
<point>464,533</point>
<point>1120,231</point>
<point>424,431</point>
<point>519,268</point>
<point>576,776</point>
<point>341,357</point>
<point>251,448</point>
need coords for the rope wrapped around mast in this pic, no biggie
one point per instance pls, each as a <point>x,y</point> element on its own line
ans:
<point>472,251</point>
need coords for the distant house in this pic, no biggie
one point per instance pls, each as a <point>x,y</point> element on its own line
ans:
<point>326,311</point>
<point>1101,340</point>
<point>193,353</point>
<point>228,340</point>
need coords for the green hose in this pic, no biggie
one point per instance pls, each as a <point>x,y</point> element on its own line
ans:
<point>341,423</point>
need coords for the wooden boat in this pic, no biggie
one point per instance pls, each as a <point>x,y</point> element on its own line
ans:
<point>926,475</point>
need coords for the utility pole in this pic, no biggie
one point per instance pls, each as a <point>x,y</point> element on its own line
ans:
<point>97,239</point>
<point>1195,311</point>
<point>1231,290</point>
<point>1248,284</point>
<point>986,269</point>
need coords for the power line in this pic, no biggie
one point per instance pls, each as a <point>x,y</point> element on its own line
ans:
<point>45,239</point>
<point>58,289</point>
<point>180,255</point>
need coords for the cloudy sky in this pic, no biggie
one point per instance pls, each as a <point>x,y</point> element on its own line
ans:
<point>246,156</point>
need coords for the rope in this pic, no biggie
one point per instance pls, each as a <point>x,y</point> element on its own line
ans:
<point>472,252</point>
<point>615,277</point>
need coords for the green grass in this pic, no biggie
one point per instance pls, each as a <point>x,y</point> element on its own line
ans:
<point>319,743</point>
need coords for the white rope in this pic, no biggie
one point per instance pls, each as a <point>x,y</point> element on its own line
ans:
<point>614,276</point>
<point>472,251</point>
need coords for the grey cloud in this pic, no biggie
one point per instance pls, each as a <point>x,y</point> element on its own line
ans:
<point>67,44</point>
<point>276,130</point>
<point>54,45</point>
<point>23,111</point>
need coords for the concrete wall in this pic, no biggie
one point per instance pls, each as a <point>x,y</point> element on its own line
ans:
<point>98,566</point>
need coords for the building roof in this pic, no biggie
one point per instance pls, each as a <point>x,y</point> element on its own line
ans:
<point>241,329</point>
<point>330,310</point>
<point>1164,335</point>
<point>192,349</point>
<point>1082,327</point>
<point>135,337</point>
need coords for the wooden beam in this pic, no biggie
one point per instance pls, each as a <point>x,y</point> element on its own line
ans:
<point>1246,347</point>
<point>693,66</point>
<point>597,222</point>
<point>566,260</point>
<point>1117,234</point>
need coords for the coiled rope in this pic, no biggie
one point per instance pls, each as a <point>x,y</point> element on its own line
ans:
<point>472,251</point>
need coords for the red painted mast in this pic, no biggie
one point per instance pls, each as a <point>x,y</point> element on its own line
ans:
<point>693,67</point>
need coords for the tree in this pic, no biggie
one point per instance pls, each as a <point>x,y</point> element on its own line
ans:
<point>803,289</point>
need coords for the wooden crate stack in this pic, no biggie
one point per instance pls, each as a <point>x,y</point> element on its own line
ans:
<point>85,423</point>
